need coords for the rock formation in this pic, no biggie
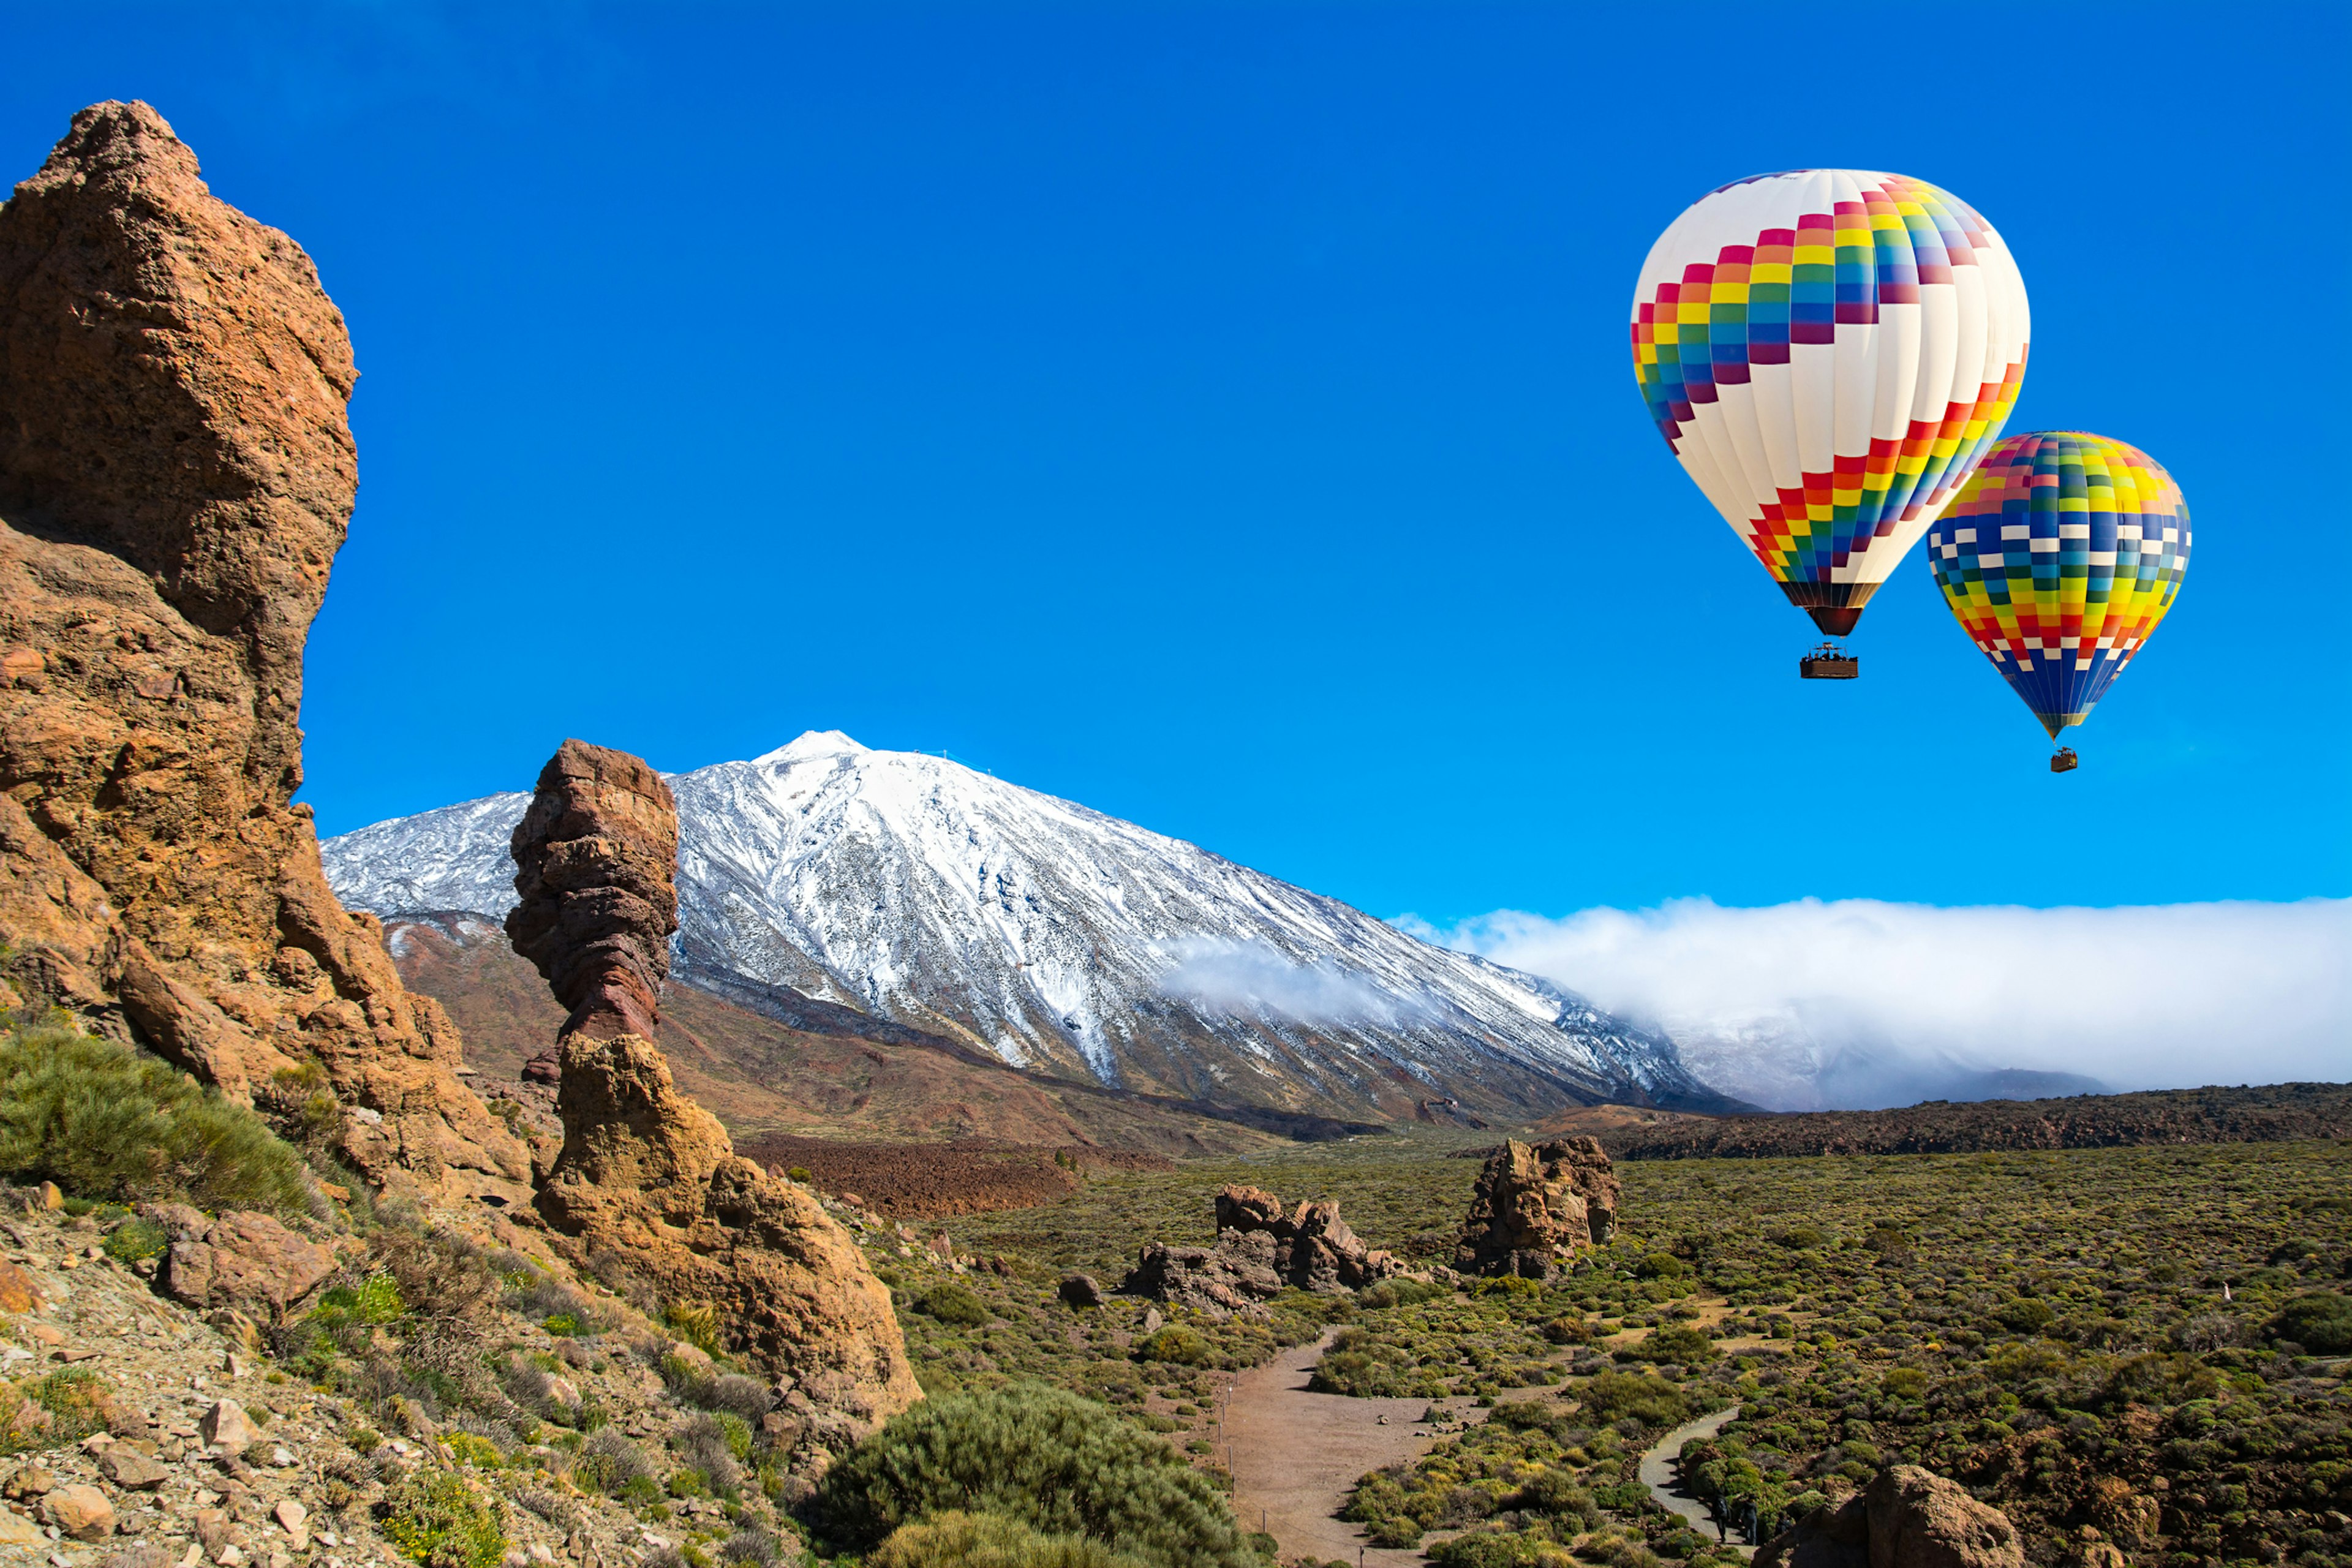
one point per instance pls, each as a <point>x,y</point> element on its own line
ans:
<point>1260,1251</point>
<point>176,475</point>
<point>1536,1206</point>
<point>596,868</point>
<point>1906,1518</point>
<point>646,1176</point>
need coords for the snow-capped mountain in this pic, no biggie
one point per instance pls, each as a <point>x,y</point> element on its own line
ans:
<point>1060,938</point>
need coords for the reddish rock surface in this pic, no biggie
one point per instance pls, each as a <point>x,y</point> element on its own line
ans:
<point>596,868</point>
<point>176,475</point>
<point>1535,1207</point>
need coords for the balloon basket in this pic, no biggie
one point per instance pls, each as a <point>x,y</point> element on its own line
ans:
<point>1829,662</point>
<point>2063,761</point>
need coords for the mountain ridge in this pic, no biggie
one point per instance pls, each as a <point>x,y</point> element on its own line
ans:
<point>1051,936</point>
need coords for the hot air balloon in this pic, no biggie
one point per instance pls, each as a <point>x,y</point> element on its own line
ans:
<point>2058,557</point>
<point>1830,351</point>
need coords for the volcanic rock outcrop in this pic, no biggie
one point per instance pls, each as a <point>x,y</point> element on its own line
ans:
<point>1260,1251</point>
<point>646,1176</point>
<point>1535,1207</point>
<point>176,475</point>
<point>1906,1518</point>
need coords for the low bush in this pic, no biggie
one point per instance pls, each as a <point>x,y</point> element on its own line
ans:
<point>609,1463</point>
<point>951,1303</point>
<point>439,1520</point>
<point>1048,1459</point>
<point>959,1540</point>
<point>1175,1343</point>
<point>1621,1396</point>
<point>2321,1322</point>
<point>135,1239</point>
<point>1389,1293</point>
<point>103,1120</point>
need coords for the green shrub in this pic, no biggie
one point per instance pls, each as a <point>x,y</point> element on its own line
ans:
<point>1057,1463</point>
<point>101,1120</point>
<point>801,1173</point>
<point>1489,1549</point>
<point>52,1412</point>
<point>1175,1344</point>
<point>951,1303</point>
<point>1662,1266</point>
<point>1390,1293</point>
<point>2320,1322</point>
<point>958,1539</point>
<point>1616,1396</point>
<point>2025,1316</point>
<point>439,1520</point>
<point>136,1239</point>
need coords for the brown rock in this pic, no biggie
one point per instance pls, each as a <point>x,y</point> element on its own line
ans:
<point>226,1425</point>
<point>176,475</point>
<point>81,1513</point>
<point>1259,1252</point>
<point>652,1178</point>
<point>18,1291</point>
<point>1080,1290</point>
<point>1906,1518</point>
<point>1536,1206</point>
<point>212,1528</point>
<point>596,868</point>
<point>246,1261</point>
<point>1919,1520</point>
<point>130,1469</point>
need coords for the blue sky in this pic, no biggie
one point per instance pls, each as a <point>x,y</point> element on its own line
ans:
<point>1222,415</point>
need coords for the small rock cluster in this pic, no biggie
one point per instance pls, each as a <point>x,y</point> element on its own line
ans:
<point>1536,1206</point>
<point>1260,1251</point>
<point>1906,1517</point>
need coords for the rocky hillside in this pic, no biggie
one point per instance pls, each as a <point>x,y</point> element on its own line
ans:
<point>1057,938</point>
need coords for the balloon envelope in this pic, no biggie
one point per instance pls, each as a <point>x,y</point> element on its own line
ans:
<point>1829,352</point>
<point>2058,557</point>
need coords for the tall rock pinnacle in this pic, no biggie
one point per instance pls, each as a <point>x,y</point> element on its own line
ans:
<point>176,475</point>
<point>596,869</point>
<point>646,1175</point>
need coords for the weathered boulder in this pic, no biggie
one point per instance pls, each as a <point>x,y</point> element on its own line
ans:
<point>644,1175</point>
<point>651,1178</point>
<point>225,1424</point>
<point>1906,1517</point>
<point>81,1513</point>
<point>597,870</point>
<point>176,475</point>
<point>242,1260</point>
<point>1080,1290</point>
<point>1535,1207</point>
<point>1260,1250</point>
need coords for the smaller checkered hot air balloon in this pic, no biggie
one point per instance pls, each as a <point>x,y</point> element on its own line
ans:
<point>2058,557</point>
<point>1829,352</point>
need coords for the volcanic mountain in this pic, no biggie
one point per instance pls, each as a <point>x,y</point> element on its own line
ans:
<point>824,876</point>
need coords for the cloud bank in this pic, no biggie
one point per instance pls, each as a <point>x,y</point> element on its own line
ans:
<point>1251,979</point>
<point>1859,1003</point>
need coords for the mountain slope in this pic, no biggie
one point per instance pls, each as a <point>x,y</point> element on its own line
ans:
<point>1060,938</point>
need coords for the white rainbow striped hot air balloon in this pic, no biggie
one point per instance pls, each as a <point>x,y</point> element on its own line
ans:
<point>1830,352</point>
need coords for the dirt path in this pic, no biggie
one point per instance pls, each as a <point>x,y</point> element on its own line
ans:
<point>1658,1471</point>
<point>1296,1454</point>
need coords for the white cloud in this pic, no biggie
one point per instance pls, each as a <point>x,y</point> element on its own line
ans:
<point>1862,1003</point>
<point>1252,979</point>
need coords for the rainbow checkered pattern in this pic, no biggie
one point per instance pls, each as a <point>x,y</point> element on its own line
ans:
<point>2058,557</point>
<point>1748,305</point>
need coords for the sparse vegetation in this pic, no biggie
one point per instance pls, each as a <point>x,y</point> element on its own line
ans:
<point>1054,1462</point>
<point>104,1121</point>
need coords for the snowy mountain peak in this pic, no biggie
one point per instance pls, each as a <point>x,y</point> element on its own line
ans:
<point>1059,939</point>
<point>812,744</point>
